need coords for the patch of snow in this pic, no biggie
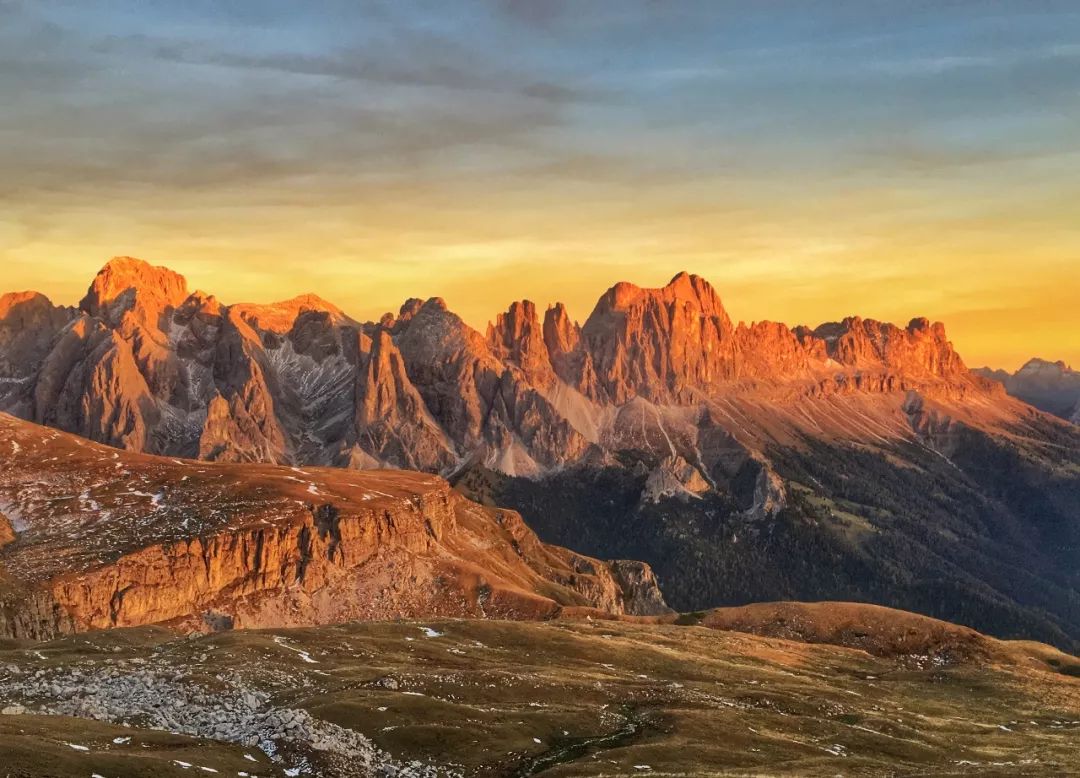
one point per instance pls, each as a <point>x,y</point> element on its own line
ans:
<point>9,509</point>
<point>430,633</point>
<point>77,747</point>
<point>303,654</point>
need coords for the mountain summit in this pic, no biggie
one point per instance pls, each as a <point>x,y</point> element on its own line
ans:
<point>1053,387</point>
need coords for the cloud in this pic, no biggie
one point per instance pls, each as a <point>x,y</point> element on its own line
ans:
<point>539,13</point>
<point>141,109</point>
<point>404,57</point>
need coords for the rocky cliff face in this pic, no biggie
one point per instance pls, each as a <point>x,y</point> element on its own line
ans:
<point>29,325</point>
<point>656,376</point>
<point>666,345</point>
<point>94,538</point>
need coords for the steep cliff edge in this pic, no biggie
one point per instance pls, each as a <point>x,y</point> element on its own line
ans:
<point>97,538</point>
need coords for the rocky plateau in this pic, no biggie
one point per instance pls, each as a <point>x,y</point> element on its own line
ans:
<point>96,538</point>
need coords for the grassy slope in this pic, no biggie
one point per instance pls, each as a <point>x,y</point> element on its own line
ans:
<point>39,746</point>
<point>595,698</point>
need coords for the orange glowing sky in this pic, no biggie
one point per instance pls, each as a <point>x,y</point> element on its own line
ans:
<point>811,160</point>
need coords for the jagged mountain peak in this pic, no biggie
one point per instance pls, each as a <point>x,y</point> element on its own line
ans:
<point>203,302</point>
<point>129,284</point>
<point>518,337</point>
<point>121,274</point>
<point>688,286</point>
<point>1051,386</point>
<point>683,287</point>
<point>410,306</point>
<point>23,304</point>
<point>1039,365</point>
<point>414,305</point>
<point>280,316</point>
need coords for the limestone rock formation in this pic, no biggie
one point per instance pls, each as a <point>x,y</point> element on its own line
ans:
<point>657,376</point>
<point>665,344</point>
<point>517,338</point>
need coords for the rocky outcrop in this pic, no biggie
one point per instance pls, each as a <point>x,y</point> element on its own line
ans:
<point>244,572</point>
<point>673,476</point>
<point>638,587</point>
<point>921,349</point>
<point>517,339</point>
<point>143,540</point>
<point>393,423</point>
<point>666,345</point>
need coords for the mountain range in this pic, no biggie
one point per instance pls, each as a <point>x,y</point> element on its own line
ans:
<point>853,460</point>
<point>1053,387</point>
<point>146,365</point>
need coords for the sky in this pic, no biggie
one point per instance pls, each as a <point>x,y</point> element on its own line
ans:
<point>811,159</point>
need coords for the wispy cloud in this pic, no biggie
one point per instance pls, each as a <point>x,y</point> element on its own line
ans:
<point>409,59</point>
<point>518,140</point>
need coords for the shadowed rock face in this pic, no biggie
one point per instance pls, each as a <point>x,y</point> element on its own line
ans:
<point>91,538</point>
<point>1053,387</point>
